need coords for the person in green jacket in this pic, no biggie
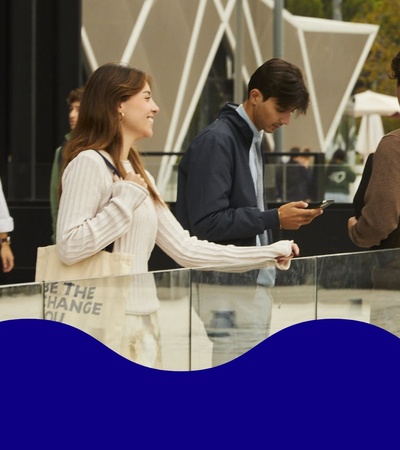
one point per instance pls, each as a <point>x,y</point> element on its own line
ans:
<point>73,100</point>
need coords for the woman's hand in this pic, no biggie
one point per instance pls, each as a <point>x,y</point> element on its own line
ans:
<point>284,260</point>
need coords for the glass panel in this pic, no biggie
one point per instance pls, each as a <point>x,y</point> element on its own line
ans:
<point>164,169</point>
<point>361,286</point>
<point>239,310</point>
<point>185,345</point>
<point>293,182</point>
<point>36,185</point>
<point>21,301</point>
<point>294,294</point>
<point>192,320</point>
<point>144,318</point>
<point>344,286</point>
<point>283,180</point>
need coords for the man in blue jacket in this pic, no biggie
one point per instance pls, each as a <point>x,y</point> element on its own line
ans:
<point>221,192</point>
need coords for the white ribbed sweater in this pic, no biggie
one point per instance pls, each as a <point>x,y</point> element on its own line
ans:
<point>95,211</point>
<point>6,221</point>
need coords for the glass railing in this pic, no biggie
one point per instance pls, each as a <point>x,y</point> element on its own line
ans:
<point>283,180</point>
<point>208,318</point>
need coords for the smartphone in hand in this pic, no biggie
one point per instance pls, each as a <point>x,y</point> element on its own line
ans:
<point>324,204</point>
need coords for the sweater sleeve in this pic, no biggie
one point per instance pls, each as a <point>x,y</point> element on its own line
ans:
<point>358,199</point>
<point>190,252</point>
<point>6,221</point>
<point>94,211</point>
<point>381,212</point>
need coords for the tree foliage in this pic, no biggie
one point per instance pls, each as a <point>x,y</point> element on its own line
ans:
<point>309,8</point>
<point>374,74</point>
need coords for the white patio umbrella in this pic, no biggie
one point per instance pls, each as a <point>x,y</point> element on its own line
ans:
<point>369,134</point>
<point>371,106</point>
<point>369,102</point>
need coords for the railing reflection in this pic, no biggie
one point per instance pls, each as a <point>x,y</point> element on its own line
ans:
<point>280,177</point>
<point>207,318</point>
<point>284,181</point>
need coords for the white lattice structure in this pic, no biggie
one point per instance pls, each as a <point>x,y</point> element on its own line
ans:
<point>176,42</point>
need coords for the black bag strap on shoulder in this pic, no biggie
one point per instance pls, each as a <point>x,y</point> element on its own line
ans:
<point>114,170</point>
<point>111,166</point>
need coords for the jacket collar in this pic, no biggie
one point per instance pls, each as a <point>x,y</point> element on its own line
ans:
<point>229,113</point>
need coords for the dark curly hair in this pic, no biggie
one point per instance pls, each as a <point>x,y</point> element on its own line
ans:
<point>75,95</point>
<point>284,81</point>
<point>395,66</point>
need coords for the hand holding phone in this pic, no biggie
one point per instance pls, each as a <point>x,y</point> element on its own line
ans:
<point>324,204</point>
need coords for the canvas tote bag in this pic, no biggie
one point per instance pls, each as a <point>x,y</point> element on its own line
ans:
<point>90,295</point>
<point>102,264</point>
<point>96,306</point>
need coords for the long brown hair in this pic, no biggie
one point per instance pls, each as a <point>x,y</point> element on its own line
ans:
<point>98,125</point>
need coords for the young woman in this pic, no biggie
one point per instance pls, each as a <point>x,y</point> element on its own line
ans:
<point>98,208</point>
<point>377,226</point>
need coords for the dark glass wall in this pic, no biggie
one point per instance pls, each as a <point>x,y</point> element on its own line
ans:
<point>40,63</point>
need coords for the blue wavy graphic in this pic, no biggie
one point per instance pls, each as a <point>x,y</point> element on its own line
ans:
<point>320,384</point>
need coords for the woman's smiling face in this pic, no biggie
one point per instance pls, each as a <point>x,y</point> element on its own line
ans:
<point>138,114</point>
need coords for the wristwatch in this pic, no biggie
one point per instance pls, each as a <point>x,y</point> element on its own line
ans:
<point>6,239</point>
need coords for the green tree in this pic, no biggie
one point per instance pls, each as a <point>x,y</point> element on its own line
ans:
<point>308,8</point>
<point>374,74</point>
<point>324,8</point>
<point>384,13</point>
<point>349,8</point>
